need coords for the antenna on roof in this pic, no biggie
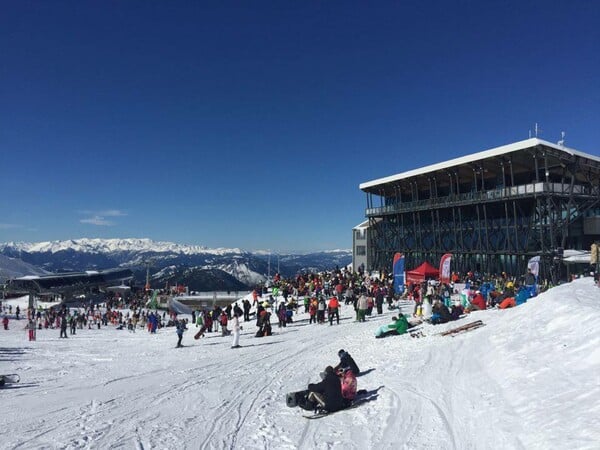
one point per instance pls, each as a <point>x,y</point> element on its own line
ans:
<point>537,130</point>
<point>562,139</point>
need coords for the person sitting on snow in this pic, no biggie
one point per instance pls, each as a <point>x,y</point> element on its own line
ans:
<point>328,393</point>
<point>346,363</point>
<point>439,313</point>
<point>477,303</point>
<point>400,326</point>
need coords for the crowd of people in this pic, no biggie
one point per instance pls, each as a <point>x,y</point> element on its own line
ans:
<point>321,295</point>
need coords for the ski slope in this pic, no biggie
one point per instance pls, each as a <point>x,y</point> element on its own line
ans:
<point>529,379</point>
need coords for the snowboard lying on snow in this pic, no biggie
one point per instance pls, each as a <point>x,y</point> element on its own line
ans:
<point>298,398</point>
<point>9,379</point>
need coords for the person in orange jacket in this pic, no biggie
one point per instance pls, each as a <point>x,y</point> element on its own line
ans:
<point>333,310</point>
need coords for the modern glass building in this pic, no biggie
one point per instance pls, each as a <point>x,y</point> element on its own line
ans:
<point>493,210</point>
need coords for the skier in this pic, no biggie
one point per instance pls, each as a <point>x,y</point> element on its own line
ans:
<point>5,321</point>
<point>235,323</point>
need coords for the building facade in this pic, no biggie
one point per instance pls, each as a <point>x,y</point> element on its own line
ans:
<point>493,210</point>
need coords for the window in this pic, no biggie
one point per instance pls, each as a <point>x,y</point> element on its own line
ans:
<point>361,250</point>
<point>360,234</point>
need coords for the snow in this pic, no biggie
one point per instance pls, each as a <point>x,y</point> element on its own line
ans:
<point>529,379</point>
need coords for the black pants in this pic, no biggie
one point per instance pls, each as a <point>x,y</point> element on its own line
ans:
<point>334,313</point>
<point>179,340</point>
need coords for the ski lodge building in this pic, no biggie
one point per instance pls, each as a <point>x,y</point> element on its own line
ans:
<point>493,210</point>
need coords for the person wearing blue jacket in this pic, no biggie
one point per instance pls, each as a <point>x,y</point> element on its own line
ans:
<point>180,328</point>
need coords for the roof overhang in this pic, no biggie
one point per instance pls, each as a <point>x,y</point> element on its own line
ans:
<point>470,163</point>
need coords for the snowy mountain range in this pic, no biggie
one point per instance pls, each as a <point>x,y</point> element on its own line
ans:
<point>137,254</point>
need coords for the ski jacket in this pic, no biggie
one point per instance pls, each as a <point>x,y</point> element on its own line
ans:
<point>331,388</point>
<point>479,301</point>
<point>362,302</point>
<point>334,303</point>
<point>235,323</point>
<point>400,325</point>
<point>347,363</point>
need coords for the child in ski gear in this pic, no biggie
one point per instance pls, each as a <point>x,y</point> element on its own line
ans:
<point>223,319</point>
<point>349,386</point>
<point>346,363</point>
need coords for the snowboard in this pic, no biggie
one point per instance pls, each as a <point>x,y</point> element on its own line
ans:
<point>360,398</point>
<point>198,334</point>
<point>9,379</point>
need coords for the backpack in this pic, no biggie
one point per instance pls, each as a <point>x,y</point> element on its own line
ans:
<point>349,385</point>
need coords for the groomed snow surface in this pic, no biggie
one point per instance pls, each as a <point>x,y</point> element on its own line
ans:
<point>529,379</point>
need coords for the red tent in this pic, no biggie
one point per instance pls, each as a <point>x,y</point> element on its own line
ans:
<point>422,273</point>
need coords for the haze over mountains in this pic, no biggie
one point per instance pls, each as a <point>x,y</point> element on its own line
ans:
<point>199,267</point>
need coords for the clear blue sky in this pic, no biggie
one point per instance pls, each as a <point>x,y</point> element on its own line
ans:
<point>251,124</point>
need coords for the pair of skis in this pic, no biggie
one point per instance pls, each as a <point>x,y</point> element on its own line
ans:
<point>453,331</point>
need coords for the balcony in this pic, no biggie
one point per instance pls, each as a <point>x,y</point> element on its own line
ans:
<point>489,196</point>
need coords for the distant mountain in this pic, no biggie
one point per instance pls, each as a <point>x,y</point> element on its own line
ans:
<point>14,267</point>
<point>244,267</point>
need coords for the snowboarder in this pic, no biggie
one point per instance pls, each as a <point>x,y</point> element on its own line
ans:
<point>328,393</point>
<point>346,363</point>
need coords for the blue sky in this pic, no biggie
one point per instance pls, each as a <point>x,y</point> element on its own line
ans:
<point>251,124</point>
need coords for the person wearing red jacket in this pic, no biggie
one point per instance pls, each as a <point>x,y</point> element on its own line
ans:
<point>477,303</point>
<point>333,310</point>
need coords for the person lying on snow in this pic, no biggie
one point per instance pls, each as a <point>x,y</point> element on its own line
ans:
<point>400,326</point>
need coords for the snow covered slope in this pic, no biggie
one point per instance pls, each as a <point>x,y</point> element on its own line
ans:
<point>529,379</point>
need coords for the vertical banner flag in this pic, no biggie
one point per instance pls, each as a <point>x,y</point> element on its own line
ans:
<point>399,275</point>
<point>445,268</point>
<point>534,265</point>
